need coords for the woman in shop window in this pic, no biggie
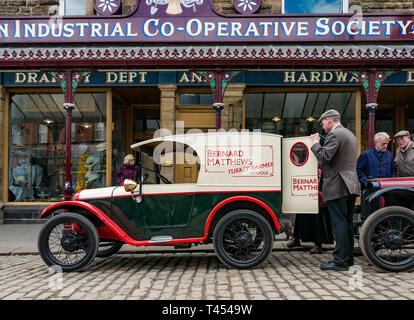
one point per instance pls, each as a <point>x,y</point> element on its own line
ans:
<point>129,170</point>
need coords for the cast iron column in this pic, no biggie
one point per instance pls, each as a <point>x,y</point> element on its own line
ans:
<point>218,81</point>
<point>371,82</point>
<point>68,81</point>
<point>68,106</point>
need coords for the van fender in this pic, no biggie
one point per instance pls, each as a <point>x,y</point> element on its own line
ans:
<point>375,195</point>
<point>240,198</point>
<point>393,196</point>
<point>72,206</point>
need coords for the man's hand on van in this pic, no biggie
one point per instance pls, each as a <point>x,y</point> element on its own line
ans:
<point>315,138</point>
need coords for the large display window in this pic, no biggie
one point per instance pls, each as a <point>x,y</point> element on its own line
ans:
<point>36,144</point>
<point>295,113</point>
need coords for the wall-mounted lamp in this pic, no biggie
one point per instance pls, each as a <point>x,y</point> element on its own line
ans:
<point>276,119</point>
<point>310,119</point>
<point>48,121</point>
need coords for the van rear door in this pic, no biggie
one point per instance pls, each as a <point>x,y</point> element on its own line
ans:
<point>299,176</point>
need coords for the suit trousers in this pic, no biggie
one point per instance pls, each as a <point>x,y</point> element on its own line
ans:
<point>341,212</point>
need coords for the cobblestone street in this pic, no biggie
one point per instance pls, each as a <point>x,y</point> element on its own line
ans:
<point>199,275</point>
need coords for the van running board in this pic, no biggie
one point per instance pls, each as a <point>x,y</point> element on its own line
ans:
<point>161,239</point>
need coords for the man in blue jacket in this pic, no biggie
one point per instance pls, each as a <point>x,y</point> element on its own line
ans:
<point>377,162</point>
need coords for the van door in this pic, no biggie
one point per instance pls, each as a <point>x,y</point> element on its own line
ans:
<point>299,176</point>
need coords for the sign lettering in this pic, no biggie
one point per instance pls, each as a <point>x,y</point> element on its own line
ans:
<point>241,161</point>
<point>153,21</point>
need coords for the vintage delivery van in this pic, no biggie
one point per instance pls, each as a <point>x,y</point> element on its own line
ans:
<point>242,183</point>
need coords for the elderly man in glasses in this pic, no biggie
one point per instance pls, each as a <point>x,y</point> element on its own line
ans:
<point>377,162</point>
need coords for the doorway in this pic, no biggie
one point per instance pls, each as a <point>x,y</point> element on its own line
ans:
<point>136,117</point>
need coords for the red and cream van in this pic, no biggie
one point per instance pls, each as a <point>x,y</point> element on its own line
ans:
<point>243,182</point>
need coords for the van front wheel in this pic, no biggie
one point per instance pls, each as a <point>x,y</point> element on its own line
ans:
<point>69,241</point>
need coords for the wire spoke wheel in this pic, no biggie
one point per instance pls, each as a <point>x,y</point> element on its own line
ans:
<point>392,240</point>
<point>243,239</point>
<point>388,238</point>
<point>69,241</point>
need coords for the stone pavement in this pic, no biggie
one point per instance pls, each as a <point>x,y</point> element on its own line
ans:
<point>164,273</point>
<point>22,239</point>
<point>290,275</point>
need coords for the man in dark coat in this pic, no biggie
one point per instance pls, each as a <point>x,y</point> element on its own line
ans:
<point>340,185</point>
<point>377,162</point>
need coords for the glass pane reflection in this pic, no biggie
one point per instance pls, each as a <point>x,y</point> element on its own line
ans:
<point>296,113</point>
<point>37,145</point>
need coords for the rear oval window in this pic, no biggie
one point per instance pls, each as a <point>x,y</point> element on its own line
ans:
<point>299,154</point>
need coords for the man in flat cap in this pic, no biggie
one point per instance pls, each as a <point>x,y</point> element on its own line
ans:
<point>404,157</point>
<point>340,185</point>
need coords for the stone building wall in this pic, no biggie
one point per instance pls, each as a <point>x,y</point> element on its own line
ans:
<point>369,6</point>
<point>29,7</point>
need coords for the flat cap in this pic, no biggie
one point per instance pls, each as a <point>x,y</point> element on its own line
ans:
<point>402,133</point>
<point>329,113</point>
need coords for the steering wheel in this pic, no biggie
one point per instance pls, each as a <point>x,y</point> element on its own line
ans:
<point>164,179</point>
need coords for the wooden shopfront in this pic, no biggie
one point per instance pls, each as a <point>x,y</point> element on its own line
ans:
<point>132,75</point>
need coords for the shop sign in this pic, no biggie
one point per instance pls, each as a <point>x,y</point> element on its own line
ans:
<point>197,21</point>
<point>109,78</point>
<point>188,78</point>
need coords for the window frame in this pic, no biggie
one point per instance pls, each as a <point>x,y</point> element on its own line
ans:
<point>89,10</point>
<point>6,137</point>
<point>358,101</point>
<point>345,7</point>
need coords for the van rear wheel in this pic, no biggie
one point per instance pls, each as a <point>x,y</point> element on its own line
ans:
<point>243,239</point>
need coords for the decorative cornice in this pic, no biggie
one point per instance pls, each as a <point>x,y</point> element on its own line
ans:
<point>204,55</point>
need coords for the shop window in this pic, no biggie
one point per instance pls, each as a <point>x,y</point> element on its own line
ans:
<point>142,125</point>
<point>37,145</point>
<point>314,6</point>
<point>146,123</point>
<point>196,99</point>
<point>75,7</point>
<point>99,131</point>
<point>43,133</point>
<point>384,122</point>
<point>293,114</point>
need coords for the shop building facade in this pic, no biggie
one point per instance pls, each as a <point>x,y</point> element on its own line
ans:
<point>128,89</point>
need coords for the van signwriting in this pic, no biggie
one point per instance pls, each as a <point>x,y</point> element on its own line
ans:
<point>304,186</point>
<point>243,161</point>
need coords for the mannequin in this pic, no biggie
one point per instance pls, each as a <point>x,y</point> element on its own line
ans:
<point>92,177</point>
<point>82,169</point>
<point>20,179</point>
<point>37,176</point>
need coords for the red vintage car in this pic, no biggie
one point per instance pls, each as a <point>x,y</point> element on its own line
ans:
<point>386,235</point>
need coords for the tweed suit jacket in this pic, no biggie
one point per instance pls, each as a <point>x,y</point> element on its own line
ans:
<point>338,157</point>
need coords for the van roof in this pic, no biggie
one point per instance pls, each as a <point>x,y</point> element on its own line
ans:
<point>188,138</point>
